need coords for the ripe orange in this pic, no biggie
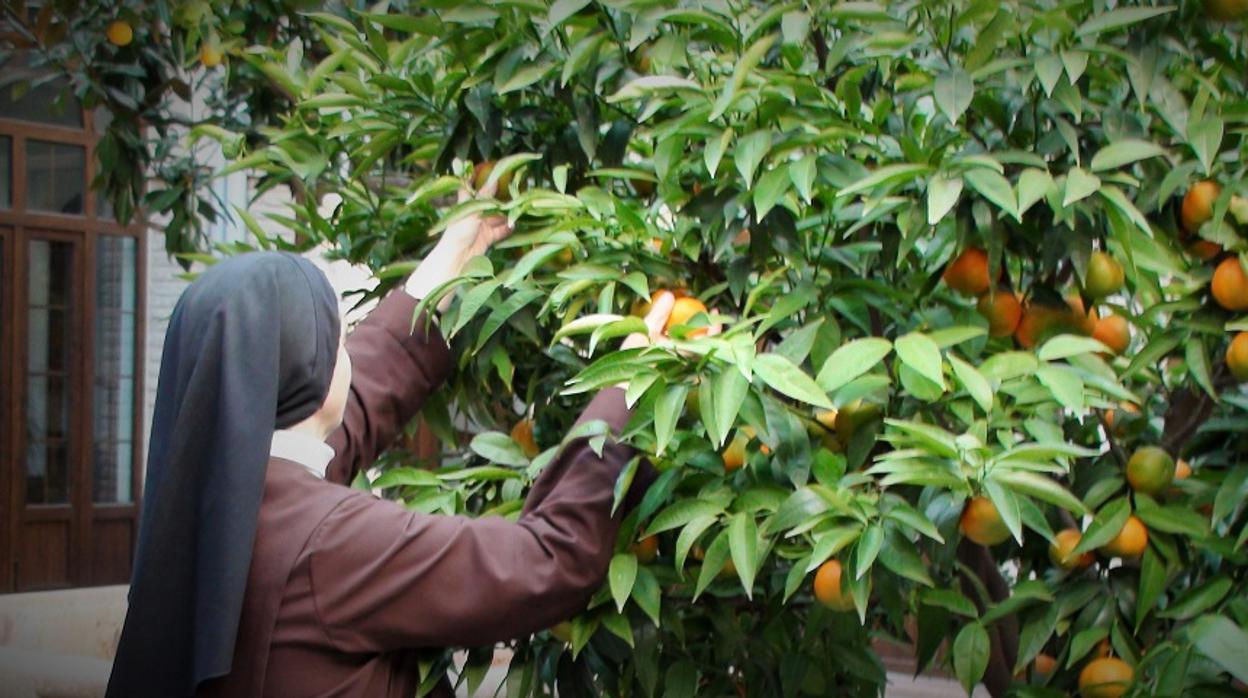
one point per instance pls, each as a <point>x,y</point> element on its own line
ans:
<point>1038,323</point>
<point>481,173</point>
<point>1150,470</point>
<point>1079,320</point>
<point>981,522</point>
<point>1003,311</point>
<point>734,454</point>
<point>968,274</point>
<point>1204,250</point>
<point>522,433</point>
<point>1107,677</point>
<point>210,56</point>
<point>1113,332</point>
<point>1230,285</point>
<point>1045,664</point>
<point>1059,551</point>
<point>1226,10</point>
<point>828,587</point>
<point>646,549</point>
<point>1237,357</point>
<point>1182,470</point>
<point>119,33</point>
<point>1111,415</point>
<point>1198,205</point>
<point>682,311</point>
<point>1130,541</point>
<point>1105,276</point>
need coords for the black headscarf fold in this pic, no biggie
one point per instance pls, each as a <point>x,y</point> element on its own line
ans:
<point>250,348</point>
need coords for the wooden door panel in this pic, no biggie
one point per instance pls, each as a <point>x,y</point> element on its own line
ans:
<point>44,555</point>
<point>111,543</point>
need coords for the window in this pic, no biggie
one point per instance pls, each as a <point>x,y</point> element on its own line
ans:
<point>70,393</point>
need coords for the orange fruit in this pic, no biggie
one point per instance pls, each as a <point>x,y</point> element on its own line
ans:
<point>1230,285</point>
<point>1130,541</point>
<point>1182,470</point>
<point>734,454</point>
<point>981,522</point>
<point>1079,320</point>
<point>1150,470</point>
<point>828,588</point>
<point>683,311</point>
<point>1114,332</point>
<point>1045,664</point>
<point>646,549</point>
<point>1107,677</point>
<point>1226,10</point>
<point>1105,276</point>
<point>1003,311</point>
<point>1037,324</point>
<point>1111,415</point>
<point>1102,649</point>
<point>1059,551</point>
<point>481,174</point>
<point>210,56</point>
<point>522,433</point>
<point>1204,250</point>
<point>119,33</point>
<point>968,274</point>
<point>1237,357</point>
<point>1198,205</point>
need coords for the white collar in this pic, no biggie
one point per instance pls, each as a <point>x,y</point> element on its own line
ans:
<point>303,449</point>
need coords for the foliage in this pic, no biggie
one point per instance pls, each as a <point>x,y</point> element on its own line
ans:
<point>809,170</point>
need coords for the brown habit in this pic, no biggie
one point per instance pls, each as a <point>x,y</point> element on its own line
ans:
<point>344,586</point>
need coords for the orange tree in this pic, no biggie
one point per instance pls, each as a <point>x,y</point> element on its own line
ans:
<point>965,261</point>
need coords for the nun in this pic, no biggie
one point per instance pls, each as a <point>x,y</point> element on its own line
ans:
<point>258,572</point>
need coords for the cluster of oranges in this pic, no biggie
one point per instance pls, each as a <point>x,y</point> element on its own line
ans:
<point>1230,282</point>
<point>1007,315</point>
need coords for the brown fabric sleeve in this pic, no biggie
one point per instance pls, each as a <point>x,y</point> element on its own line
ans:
<point>384,578</point>
<point>394,369</point>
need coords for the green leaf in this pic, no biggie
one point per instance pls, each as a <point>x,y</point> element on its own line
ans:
<point>714,150</point>
<point>1007,506</point>
<point>1124,152</point>
<point>995,188</point>
<point>1067,345</point>
<point>749,60</point>
<point>1152,584</point>
<point>743,545</point>
<point>620,577</point>
<point>802,172</point>
<point>919,352</point>
<point>786,378</point>
<point>953,92</point>
<point>911,517</point>
<point>942,195</point>
<point>646,593</point>
<point>771,186</point>
<point>970,655</point>
<point>730,390</point>
<point>1040,487</point>
<point>1033,185</point>
<point>1105,526</point>
<point>976,385</point>
<point>499,448</point>
<point>751,149</point>
<point>688,536</point>
<point>681,513</point>
<point>888,174</point>
<point>950,600</point>
<point>645,86</point>
<point>1221,640</point>
<point>1121,17</point>
<point>852,360</point>
<point>1049,71</point>
<point>1079,185</point>
<point>563,9</point>
<point>1198,364</point>
<point>1199,599</point>
<point>868,549</point>
<point>666,412</point>
<point>1205,137</point>
<point>1065,385</point>
<point>1083,642</point>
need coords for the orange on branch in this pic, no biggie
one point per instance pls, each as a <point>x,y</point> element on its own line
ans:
<point>1060,549</point>
<point>1079,320</point>
<point>1106,677</point>
<point>1114,332</point>
<point>734,454</point>
<point>1237,357</point>
<point>210,56</point>
<point>119,33</point>
<point>1198,205</point>
<point>522,433</point>
<point>1204,250</point>
<point>968,273</point>
<point>1130,541</point>
<point>1150,470</point>
<point>481,174</point>
<point>683,310</point>
<point>828,587</point>
<point>982,523</point>
<point>646,549</point>
<point>1003,311</point>
<point>1182,470</point>
<point>1105,276</point>
<point>1230,285</point>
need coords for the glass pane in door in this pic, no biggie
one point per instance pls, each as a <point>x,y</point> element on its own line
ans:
<point>116,282</point>
<point>47,406</point>
<point>56,177</point>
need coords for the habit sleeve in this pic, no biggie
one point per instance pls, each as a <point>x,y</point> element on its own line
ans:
<point>384,578</point>
<point>394,369</point>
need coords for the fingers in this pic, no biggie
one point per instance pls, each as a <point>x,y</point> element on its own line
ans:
<point>660,310</point>
<point>495,228</point>
<point>715,328</point>
<point>488,189</point>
